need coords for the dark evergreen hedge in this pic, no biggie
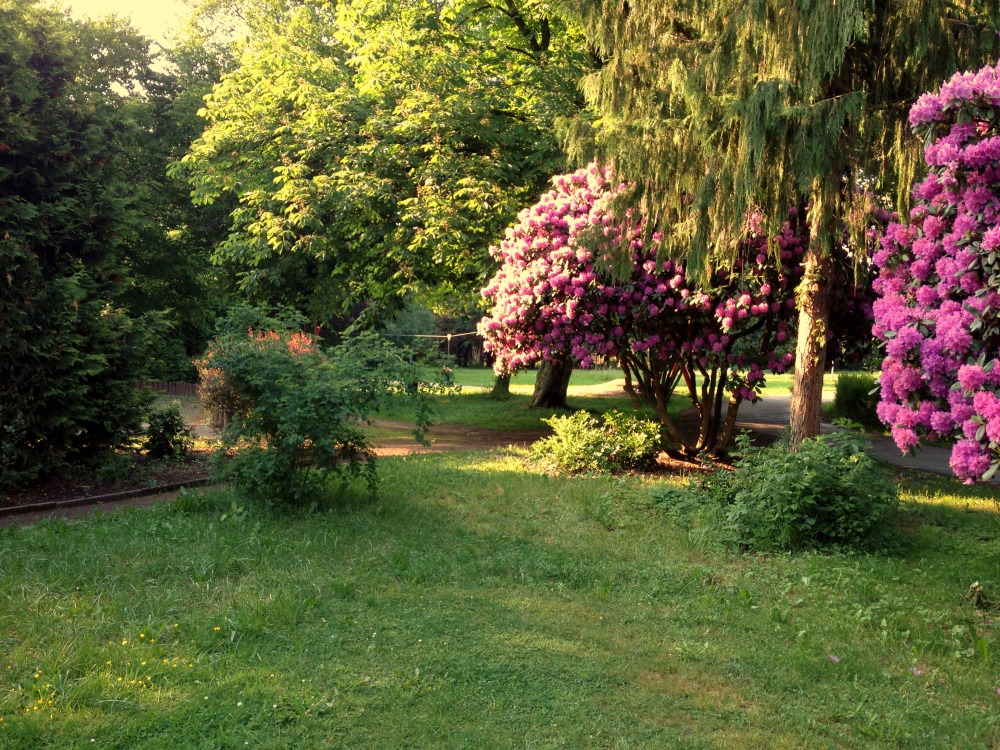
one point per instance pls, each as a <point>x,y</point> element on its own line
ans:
<point>69,356</point>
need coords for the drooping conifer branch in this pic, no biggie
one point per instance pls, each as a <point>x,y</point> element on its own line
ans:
<point>715,110</point>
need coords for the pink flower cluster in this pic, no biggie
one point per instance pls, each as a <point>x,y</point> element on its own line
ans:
<point>555,296</point>
<point>939,283</point>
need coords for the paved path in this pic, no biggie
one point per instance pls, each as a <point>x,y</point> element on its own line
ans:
<point>770,415</point>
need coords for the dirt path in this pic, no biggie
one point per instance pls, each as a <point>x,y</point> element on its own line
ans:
<point>445,438</point>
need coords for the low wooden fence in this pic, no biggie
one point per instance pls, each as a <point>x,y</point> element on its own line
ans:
<point>168,387</point>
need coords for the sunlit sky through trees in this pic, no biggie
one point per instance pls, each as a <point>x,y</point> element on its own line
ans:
<point>157,19</point>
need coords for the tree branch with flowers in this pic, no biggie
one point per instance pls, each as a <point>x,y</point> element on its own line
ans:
<point>556,296</point>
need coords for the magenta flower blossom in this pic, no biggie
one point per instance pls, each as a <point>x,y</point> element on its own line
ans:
<point>552,299</point>
<point>938,308</point>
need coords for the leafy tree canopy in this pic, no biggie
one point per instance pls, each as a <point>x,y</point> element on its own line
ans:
<point>719,110</point>
<point>376,149</point>
<point>716,109</point>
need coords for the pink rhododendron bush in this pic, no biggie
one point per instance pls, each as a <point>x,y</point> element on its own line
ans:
<point>556,297</point>
<point>939,283</point>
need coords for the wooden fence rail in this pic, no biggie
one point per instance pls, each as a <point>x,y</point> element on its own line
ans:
<point>168,387</point>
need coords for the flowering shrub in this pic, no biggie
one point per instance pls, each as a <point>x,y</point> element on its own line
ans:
<point>296,410</point>
<point>218,390</point>
<point>939,283</point>
<point>556,297</point>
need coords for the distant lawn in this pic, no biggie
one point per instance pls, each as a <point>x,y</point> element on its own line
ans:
<point>479,605</point>
<point>477,409</point>
<point>524,382</point>
<point>781,385</point>
<point>473,407</point>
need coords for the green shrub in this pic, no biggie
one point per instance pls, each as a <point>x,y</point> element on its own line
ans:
<point>296,410</point>
<point>828,492</point>
<point>167,436</point>
<point>581,443</point>
<point>854,399</point>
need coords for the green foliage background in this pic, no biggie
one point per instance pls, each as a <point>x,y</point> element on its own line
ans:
<point>377,149</point>
<point>69,352</point>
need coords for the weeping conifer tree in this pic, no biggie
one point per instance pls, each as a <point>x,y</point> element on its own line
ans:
<point>714,110</point>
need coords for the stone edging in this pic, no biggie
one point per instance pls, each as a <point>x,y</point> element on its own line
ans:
<point>111,497</point>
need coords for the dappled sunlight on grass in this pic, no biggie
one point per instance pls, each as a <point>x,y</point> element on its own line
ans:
<point>477,603</point>
<point>949,495</point>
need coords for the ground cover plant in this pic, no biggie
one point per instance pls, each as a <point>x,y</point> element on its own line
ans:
<point>829,492</point>
<point>479,605</point>
<point>615,443</point>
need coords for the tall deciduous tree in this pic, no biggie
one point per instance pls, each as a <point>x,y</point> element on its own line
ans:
<point>718,109</point>
<point>377,148</point>
<point>69,354</point>
<point>169,247</point>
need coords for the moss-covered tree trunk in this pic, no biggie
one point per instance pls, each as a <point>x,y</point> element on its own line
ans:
<point>551,385</point>
<point>810,350</point>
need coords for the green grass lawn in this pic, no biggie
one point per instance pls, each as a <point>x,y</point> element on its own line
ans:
<point>473,407</point>
<point>480,605</point>
<point>524,382</point>
<point>474,378</point>
<point>477,409</point>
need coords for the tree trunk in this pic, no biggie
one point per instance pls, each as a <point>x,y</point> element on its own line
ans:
<point>810,350</point>
<point>551,385</point>
<point>501,388</point>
